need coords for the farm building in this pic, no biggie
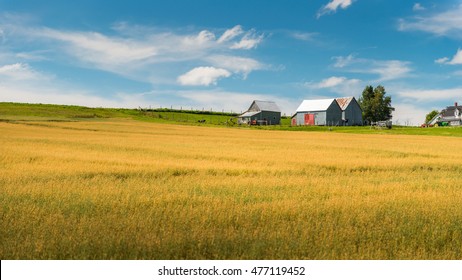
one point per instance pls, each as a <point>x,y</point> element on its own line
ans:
<point>318,112</point>
<point>351,111</point>
<point>451,116</point>
<point>261,113</point>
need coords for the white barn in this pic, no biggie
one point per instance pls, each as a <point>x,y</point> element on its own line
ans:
<point>318,112</point>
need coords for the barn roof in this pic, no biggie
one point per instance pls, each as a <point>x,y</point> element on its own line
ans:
<point>343,102</point>
<point>315,105</point>
<point>266,106</point>
<point>249,114</point>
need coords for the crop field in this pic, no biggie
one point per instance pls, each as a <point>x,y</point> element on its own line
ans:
<point>125,189</point>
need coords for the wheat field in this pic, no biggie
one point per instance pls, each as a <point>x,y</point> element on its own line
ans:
<point>120,189</point>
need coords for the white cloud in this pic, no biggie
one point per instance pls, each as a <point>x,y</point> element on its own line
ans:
<point>447,23</point>
<point>331,82</point>
<point>101,49</point>
<point>203,76</point>
<point>231,34</point>
<point>339,85</point>
<point>457,59</point>
<point>19,82</point>
<point>409,114</point>
<point>303,36</point>
<point>442,60</point>
<point>431,94</point>
<point>20,72</point>
<point>250,41</point>
<point>418,7</point>
<point>341,61</point>
<point>137,52</point>
<point>56,95</point>
<point>385,69</point>
<point>391,69</point>
<point>32,56</point>
<point>202,39</point>
<point>236,64</point>
<point>333,5</point>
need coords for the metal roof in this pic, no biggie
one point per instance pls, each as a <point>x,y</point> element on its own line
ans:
<point>249,114</point>
<point>266,106</point>
<point>315,105</point>
<point>343,102</point>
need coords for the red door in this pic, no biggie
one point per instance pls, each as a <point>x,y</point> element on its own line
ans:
<point>294,121</point>
<point>309,119</point>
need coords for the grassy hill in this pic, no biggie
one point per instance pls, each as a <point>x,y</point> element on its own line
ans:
<point>49,112</point>
<point>10,112</point>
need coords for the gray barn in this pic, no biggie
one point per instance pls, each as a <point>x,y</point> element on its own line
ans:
<point>318,112</point>
<point>261,113</point>
<point>351,111</point>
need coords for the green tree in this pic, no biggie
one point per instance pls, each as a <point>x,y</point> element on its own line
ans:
<point>431,115</point>
<point>375,104</point>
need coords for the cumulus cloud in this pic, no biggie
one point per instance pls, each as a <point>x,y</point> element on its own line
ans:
<point>447,23</point>
<point>203,76</point>
<point>457,59</point>
<point>141,53</point>
<point>333,5</point>
<point>236,64</point>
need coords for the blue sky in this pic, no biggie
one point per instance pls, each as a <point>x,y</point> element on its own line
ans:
<point>221,55</point>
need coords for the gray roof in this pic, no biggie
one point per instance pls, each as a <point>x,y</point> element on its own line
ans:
<point>451,111</point>
<point>265,106</point>
<point>315,105</point>
<point>248,114</point>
